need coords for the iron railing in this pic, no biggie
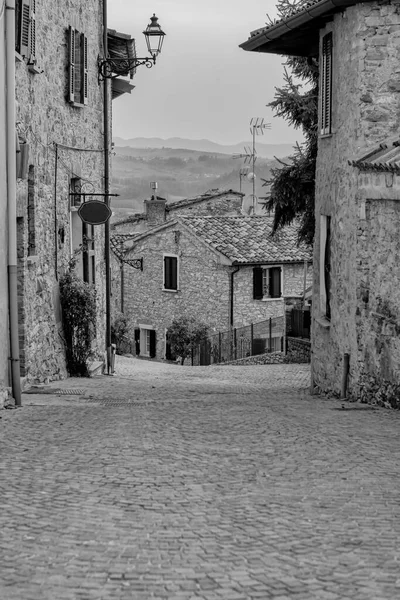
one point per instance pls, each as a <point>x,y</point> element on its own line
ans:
<point>242,342</point>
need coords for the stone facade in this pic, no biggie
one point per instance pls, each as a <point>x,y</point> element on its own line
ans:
<point>204,286</point>
<point>364,208</point>
<point>4,332</point>
<point>63,144</point>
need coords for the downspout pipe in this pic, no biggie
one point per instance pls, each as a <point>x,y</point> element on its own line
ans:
<point>106,126</point>
<point>231,296</point>
<point>12,201</point>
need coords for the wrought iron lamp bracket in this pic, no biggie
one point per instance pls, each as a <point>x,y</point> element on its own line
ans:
<point>111,68</point>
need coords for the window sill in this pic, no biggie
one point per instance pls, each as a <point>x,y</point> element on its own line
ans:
<point>77,105</point>
<point>271,299</point>
<point>323,136</point>
<point>172,291</point>
<point>18,57</point>
<point>323,322</point>
<point>32,260</point>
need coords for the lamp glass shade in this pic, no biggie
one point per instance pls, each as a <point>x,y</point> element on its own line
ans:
<point>154,36</point>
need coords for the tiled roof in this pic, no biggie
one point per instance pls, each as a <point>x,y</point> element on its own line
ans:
<point>206,196</point>
<point>384,158</point>
<point>248,240</point>
<point>297,33</point>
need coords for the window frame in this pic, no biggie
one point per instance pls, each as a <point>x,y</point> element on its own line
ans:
<point>262,287</point>
<point>171,288</point>
<point>326,84</point>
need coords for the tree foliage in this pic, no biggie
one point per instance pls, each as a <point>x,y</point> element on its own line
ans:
<point>184,334</point>
<point>292,184</point>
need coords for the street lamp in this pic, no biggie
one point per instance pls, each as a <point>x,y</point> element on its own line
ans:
<point>113,67</point>
<point>154,37</point>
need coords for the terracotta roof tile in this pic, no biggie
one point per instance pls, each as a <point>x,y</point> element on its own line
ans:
<point>248,239</point>
<point>386,157</point>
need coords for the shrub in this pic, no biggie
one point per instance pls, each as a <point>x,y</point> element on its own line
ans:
<point>78,303</point>
<point>120,332</point>
<point>184,334</point>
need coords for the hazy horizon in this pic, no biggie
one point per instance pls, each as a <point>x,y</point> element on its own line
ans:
<point>203,86</point>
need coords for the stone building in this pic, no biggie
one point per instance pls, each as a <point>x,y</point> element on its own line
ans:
<point>225,270</point>
<point>59,103</point>
<point>158,211</point>
<point>357,245</point>
<point>4,333</point>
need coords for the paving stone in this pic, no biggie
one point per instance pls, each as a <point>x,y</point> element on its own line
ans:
<point>222,483</point>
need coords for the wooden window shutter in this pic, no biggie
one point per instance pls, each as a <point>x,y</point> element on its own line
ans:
<point>32,27</point>
<point>170,273</point>
<point>327,267</point>
<point>71,70</point>
<point>326,88</point>
<point>25,29</point>
<point>85,69</point>
<point>257,283</point>
<point>152,343</point>
<point>275,282</point>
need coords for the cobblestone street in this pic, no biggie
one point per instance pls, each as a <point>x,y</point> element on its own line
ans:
<point>184,483</point>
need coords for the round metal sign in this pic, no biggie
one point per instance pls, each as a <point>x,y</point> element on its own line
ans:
<point>94,212</point>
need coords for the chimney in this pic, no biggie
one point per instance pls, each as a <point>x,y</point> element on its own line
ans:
<point>155,208</point>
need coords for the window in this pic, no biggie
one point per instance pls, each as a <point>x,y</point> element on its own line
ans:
<point>147,342</point>
<point>171,273</point>
<point>78,68</point>
<point>25,29</point>
<point>267,282</point>
<point>81,235</point>
<point>325,266</point>
<point>326,85</point>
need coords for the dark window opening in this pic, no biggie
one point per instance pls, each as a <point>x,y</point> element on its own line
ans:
<point>170,273</point>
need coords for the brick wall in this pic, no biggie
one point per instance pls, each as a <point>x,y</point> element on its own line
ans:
<point>366,103</point>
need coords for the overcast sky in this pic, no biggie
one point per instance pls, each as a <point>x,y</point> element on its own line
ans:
<point>203,85</point>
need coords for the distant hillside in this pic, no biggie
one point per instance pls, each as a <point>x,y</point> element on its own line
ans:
<point>179,174</point>
<point>263,150</point>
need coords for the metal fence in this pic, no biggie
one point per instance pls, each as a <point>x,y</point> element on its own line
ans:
<point>241,342</point>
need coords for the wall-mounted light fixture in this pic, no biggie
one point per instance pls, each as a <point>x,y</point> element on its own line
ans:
<point>112,67</point>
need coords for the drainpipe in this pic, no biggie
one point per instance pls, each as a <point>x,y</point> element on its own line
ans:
<point>106,126</point>
<point>12,200</point>
<point>231,296</point>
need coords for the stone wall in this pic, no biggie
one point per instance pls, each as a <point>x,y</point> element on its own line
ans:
<point>365,112</point>
<point>46,119</point>
<point>297,350</point>
<point>4,333</point>
<point>272,358</point>
<point>203,289</point>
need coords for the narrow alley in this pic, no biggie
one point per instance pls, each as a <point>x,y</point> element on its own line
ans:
<point>185,483</point>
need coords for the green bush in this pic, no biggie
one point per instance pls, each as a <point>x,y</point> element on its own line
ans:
<point>78,303</point>
<point>121,331</point>
<point>184,334</point>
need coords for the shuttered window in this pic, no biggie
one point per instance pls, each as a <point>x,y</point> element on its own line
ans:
<point>78,68</point>
<point>326,85</point>
<point>170,273</point>
<point>267,282</point>
<point>25,29</point>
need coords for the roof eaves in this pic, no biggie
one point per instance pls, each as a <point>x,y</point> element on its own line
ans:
<point>306,14</point>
